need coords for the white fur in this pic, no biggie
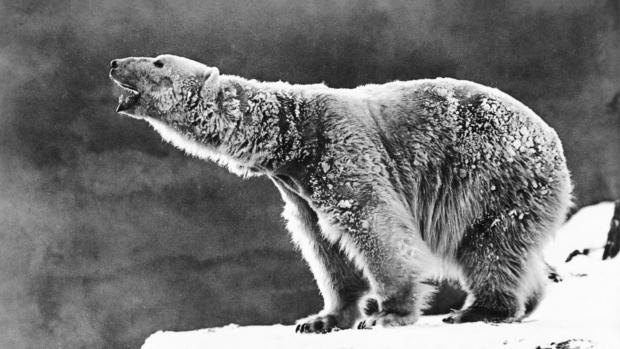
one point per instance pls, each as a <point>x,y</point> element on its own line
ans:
<point>199,150</point>
<point>303,239</point>
<point>444,269</point>
<point>334,234</point>
<point>330,231</point>
<point>532,280</point>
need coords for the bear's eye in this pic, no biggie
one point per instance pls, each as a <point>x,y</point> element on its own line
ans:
<point>158,64</point>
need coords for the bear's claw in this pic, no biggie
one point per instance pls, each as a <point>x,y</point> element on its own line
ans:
<point>317,324</point>
<point>386,319</point>
<point>474,314</point>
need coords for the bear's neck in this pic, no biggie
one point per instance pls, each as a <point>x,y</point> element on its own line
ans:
<point>264,126</point>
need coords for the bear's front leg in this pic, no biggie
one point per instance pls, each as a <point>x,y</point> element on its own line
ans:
<point>382,240</point>
<point>394,255</point>
<point>340,282</point>
<point>329,319</point>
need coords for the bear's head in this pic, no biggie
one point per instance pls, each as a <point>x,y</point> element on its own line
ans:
<point>165,87</point>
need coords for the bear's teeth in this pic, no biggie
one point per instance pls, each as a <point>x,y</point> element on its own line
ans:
<point>127,101</point>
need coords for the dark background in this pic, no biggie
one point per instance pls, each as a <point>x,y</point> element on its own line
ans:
<point>107,234</point>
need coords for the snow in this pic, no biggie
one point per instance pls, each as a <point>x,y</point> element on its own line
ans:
<point>588,228</point>
<point>582,311</point>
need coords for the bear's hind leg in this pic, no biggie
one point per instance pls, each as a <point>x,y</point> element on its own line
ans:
<point>502,268</point>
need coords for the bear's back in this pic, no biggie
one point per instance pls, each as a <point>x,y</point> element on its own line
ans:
<point>463,144</point>
<point>459,116</point>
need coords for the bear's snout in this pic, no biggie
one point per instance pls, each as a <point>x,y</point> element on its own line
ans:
<point>122,69</point>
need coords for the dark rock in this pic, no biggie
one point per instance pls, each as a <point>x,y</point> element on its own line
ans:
<point>613,237</point>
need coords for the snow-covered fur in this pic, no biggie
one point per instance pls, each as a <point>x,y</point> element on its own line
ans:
<point>385,186</point>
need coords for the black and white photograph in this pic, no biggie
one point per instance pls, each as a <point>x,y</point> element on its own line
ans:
<point>189,174</point>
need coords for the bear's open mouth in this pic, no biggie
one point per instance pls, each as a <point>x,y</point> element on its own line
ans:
<point>128,98</point>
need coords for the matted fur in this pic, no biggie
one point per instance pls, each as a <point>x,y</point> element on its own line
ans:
<point>385,186</point>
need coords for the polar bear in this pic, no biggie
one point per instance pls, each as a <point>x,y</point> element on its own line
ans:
<point>385,186</point>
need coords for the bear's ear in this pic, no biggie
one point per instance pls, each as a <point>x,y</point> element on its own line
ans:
<point>211,83</point>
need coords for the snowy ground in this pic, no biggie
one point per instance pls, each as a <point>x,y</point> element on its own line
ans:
<point>582,311</point>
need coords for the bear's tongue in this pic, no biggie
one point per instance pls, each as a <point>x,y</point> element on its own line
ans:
<point>127,99</point>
